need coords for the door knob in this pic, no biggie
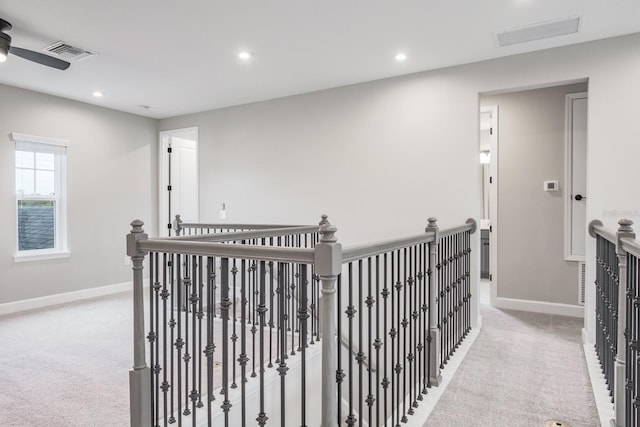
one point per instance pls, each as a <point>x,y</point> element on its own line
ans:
<point>580,197</point>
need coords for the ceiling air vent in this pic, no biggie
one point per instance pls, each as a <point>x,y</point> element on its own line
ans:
<point>68,52</point>
<point>543,30</point>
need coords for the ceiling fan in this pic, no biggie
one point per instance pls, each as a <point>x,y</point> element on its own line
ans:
<point>40,58</point>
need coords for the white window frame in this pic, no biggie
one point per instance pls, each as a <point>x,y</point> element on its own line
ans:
<point>60,249</point>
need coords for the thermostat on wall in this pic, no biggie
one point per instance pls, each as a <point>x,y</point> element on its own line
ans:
<point>551,186</point>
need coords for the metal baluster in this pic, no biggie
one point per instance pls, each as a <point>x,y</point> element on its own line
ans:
<point>253,277</point>
<point>351,311</point>
<point>282,369</point>
<point>405,323</point>
<point>271,310</point>
<point>165,295</point>
<point>224,312</point>
<point>195,297</point>
<point>412,281</point>
<point>303,316</point>
<point>370,301</point>
<point>151,337</point>
<point>398,366</point>
<point>243,359</point>
<point>172,325</point>
<point>200,329</point>
<point>339,371</point>
<point>385,295</point>
<point>377,343</point>
<point>187,357</point>
<point>179,342</point>
<point>234,334</point>
<point>360,355</point>
<point>392,334</point>
<point>210,347</point>
<point>292,307</point>
<point>262,309</point>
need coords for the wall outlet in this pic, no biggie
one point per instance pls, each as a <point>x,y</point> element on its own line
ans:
<point>127,260</point>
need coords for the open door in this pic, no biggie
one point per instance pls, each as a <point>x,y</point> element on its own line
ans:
<point>179,193</point>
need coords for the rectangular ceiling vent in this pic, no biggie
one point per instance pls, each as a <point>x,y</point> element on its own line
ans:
<point>67,52</point>
<point>539,31</point>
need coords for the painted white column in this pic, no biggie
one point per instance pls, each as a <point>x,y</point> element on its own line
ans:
<point>434,332</point>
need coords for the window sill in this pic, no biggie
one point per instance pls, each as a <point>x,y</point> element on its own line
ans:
<point>41,256</point>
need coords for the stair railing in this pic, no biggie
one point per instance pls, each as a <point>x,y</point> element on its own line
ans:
<point>271,281</point>
<point>618,317</point>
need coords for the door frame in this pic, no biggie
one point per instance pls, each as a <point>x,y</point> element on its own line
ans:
<point>164,141</point>
<point>493,203</point>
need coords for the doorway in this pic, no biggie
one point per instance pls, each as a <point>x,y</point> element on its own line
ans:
<point>178,180</point>
<point>528,188</point>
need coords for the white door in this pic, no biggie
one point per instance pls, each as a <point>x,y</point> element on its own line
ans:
<point>178,177</point>
<point>576,192</point>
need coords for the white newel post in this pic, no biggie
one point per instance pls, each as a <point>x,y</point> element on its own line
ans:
<point>177,225</point>
<point>434,332</point>
<point>140,375</point>
<point>624,230</point>
<point>328,264</point>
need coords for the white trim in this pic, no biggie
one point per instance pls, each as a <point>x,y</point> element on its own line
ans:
<point>598,385</point>
<point>49,300</point>
<point>15,136</point>
<point>540,307</point>
<point>25,256</point>
<point>568,174</point>
<point>427,406</point>
<point>493,203</point>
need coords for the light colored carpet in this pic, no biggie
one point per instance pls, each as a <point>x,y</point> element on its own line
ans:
<point>523,369</point>
<point>67,365</point>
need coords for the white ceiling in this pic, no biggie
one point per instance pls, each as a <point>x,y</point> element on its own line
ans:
<point>180,56</point>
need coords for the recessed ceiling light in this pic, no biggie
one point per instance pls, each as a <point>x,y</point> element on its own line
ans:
<point>245,55</point>
<point>401,57</point>
<point>97,94</point>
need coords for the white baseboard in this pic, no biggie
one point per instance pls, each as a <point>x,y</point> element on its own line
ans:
<point>600,393</point>
<point>540,307</point>
<point>49,300</point>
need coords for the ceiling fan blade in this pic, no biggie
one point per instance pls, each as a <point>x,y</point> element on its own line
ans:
<point>40,58</point>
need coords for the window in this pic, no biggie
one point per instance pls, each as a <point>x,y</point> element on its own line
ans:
<point>40,171</point>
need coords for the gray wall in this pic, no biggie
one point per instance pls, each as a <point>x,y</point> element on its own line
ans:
<point>111,180</point>
<point>531,149</point>
<point>380,157</point>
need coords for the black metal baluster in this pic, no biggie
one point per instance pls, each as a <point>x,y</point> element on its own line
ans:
<point>406,289</point>
<point>440,298</point>
<point>194,299</point>
<point>282,369</point>
<point>351,311</point>
<point>377,343</point>
<point>393,333</point>
<point>200,329</point>
<point>292,310</point>
<point>165,368</point>
<point>427,310</point>
<point>187,357</point>
<point>262,309</point>
<point>271,311</point>
<point>210,347</point>
<point>243,359</point>
<point>360,355</point>
<point>234,334</point>
<point>399,354</point>
<point>225,303</point>
<point>172,325</point>
<point>339,370</point>
<point>303,315</point>
<point>151,337</point>
<point>254,313</point>
<point>179,342</point>
<point>370,301</point>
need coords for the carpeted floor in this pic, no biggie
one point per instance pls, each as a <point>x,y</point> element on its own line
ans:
<point>523,369</point>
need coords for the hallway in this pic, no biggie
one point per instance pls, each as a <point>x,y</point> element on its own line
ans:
<point>523,369</point>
